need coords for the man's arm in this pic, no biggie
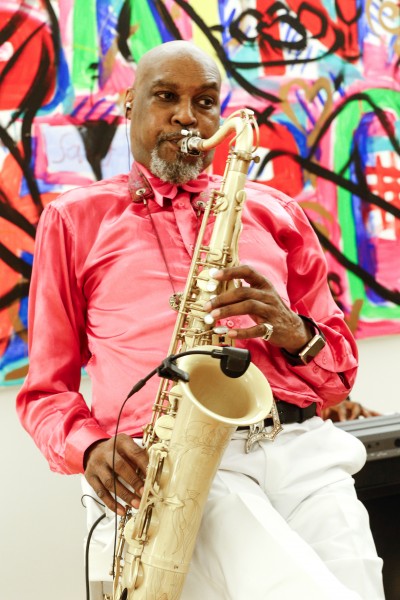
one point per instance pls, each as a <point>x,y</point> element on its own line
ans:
<point>330,375</point>
<point>49,404</point>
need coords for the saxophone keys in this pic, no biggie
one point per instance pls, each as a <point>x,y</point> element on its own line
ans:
<point>222,330</point>
<point>163,427</point>
<point>208,319</point>
<point>219,336</point>
<point>213,272</point>
<point>205,280</point>
<point>211,286</point>
<point>175,301</point>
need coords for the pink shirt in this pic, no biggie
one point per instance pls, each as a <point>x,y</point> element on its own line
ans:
<point>100,297</point>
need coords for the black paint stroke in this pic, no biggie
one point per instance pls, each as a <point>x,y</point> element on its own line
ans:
<point>10,214</point>
<point>294,21</point>
<point>28,106</point>
<point>124,31</point>
<point>359,189</point>
<point>97,137</point>
<point>167,19</point>
<point>9,143</point>
<point>18,292</point>
<point>14,262</point>
<point>13,24</point>
<point>357,15</point>
<point>356,269</point>
<point>324,173</point>
<point>379,113</point>
<point>38,92</point>
<point>263,38</point>
<point>26,111</point>
<point>229,66</point>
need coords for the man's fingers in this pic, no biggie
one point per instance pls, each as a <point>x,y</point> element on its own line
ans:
<point>250,332</point>
<point>116,468</point>
<point>116,490</point>
<point>110,489</point>
<point>140,458</point>
<point>245,272</point>
<point>227,307</point>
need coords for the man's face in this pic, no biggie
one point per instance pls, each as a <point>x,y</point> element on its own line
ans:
<point>171,94</point>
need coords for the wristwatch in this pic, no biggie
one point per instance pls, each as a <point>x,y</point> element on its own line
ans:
<point>310,350</point>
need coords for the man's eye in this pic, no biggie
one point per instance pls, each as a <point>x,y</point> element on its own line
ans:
<point>206,102</point>
<point>168,96</point>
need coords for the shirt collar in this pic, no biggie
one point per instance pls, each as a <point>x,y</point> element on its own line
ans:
<point>143,184</point>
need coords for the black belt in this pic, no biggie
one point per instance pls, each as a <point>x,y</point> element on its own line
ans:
<point>290,413</point>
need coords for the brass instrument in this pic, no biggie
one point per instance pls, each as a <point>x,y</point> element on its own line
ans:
<point>193,420</point>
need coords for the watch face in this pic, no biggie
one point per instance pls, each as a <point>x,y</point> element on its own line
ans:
<point>314,346</point>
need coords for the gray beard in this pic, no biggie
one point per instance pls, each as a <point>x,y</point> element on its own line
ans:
<point>179,171</point>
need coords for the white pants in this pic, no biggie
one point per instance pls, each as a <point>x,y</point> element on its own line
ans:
<point>282,522</point>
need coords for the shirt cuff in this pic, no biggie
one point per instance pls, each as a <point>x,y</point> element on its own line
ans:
<point>78,442</point>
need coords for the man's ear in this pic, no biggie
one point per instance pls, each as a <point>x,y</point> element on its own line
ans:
<point>128,102</point>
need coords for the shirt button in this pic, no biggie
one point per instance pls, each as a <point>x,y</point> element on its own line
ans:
<point>181,204</point>
<point>230,323</point>
<point>315,369</point>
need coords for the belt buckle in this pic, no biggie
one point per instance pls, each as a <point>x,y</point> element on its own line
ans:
<point>258,432</point>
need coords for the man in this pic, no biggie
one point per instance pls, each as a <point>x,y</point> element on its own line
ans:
<point>282,521</point>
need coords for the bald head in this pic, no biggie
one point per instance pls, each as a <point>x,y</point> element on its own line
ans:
<point>175,50</point>
<point>177,87</point>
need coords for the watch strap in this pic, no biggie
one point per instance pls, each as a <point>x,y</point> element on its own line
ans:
<point>310,350</point>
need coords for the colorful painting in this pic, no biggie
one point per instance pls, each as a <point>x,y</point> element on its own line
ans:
<point>322,77</point>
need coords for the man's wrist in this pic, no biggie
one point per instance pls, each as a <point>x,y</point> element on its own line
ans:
<point>300,335</point>
<point>310,350</point>
<point>89,449</point>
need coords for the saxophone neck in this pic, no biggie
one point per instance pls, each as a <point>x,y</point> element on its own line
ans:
<point>246,138</point>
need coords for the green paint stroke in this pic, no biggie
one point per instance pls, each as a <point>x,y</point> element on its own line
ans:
<point>85,45</point>
<point>346,123</point>
<point>146,34</point>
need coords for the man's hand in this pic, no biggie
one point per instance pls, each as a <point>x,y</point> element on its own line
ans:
<point>262,303</point>
<point>116,467</point>
<point>347,411</point>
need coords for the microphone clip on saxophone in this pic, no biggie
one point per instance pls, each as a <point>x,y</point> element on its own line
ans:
<point>234,362</point>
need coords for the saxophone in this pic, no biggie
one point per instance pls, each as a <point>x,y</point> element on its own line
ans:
<point>195,416</point>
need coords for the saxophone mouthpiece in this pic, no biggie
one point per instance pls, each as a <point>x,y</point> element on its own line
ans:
<point>191,143</point>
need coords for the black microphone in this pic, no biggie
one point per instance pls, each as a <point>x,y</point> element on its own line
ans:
<point>234,361</point>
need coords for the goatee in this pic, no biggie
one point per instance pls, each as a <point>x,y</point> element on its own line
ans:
<point>178,171</point>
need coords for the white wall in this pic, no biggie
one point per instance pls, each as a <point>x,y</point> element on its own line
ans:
<point>43,522</point>
<point>378,381</point>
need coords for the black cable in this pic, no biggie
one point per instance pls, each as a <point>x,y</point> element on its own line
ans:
<point>93,498</point>
<point>168,370</point>
<point>138,386</point>
<point>93,527</point>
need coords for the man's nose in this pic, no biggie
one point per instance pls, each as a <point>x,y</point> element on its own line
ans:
<point>184,114</point>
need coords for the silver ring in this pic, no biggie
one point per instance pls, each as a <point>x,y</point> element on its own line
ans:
<point>269,330</point>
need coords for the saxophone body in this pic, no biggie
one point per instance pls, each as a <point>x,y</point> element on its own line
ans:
<point>193,420</point>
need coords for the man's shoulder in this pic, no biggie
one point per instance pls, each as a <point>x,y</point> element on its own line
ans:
<point>103,192</point>
<point>259,192</point>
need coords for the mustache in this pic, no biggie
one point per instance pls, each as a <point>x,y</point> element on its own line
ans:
<point>174,136</point>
